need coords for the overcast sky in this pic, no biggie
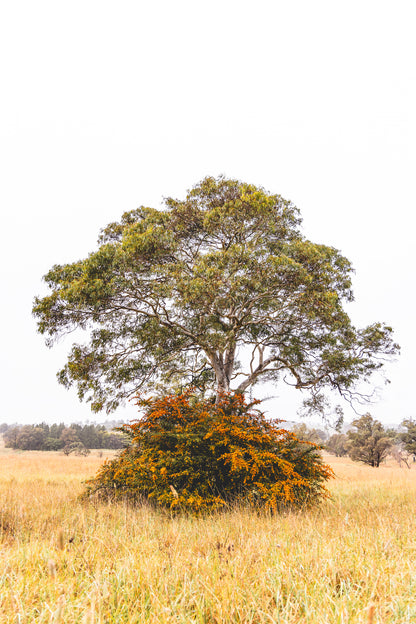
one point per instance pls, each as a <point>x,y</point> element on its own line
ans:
<point>106,106</point>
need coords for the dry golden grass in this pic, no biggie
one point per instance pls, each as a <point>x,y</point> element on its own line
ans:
<point>350,561</point>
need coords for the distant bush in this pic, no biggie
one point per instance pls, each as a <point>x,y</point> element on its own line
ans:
<point>76,448</point>
<point>191,454</point>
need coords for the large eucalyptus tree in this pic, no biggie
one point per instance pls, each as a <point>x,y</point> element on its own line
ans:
<point>174,297</point>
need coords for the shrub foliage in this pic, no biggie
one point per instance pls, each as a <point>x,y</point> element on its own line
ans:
<point>190,454</point>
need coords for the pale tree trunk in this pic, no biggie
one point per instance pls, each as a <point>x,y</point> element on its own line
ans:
<point>223,364</point>
<point>223,381</point>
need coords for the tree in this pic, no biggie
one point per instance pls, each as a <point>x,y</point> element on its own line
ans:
<point>177,297</point>
<point>337,444</point>
<point>69,437</point>
<point>187,453</point>
<point>408,437</point>
<point>53,444</point>
<point>56,430</point>
<point>31,438</point>
<point>113,440</point>
<point>369,443</point>
<point>11,437</point>
<point>303,432</point>
<point>399,454</point>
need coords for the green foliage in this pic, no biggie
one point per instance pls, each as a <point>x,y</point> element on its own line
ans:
<point>408,437</point>
<point>370,442</point>
<point>337,444</point>
<point>26,438</point>
<point>303,432</point>
<point>57,437</point>
<point>196,455</point>
<point>171,295</point>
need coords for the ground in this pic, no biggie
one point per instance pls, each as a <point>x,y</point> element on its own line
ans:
<point>349,561</point>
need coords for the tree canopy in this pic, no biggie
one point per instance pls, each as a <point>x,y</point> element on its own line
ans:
<point>369,443</point>
<point>218,291</point>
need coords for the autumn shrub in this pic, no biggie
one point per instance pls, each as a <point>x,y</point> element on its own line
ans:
<point>190,454</point>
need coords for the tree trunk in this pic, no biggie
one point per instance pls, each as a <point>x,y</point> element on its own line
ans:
<point>220,370</point>
<point>223,385</point>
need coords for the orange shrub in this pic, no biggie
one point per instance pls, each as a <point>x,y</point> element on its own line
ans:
<point>191,454</point>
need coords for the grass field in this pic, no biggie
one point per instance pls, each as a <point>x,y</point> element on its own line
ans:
<point>352,560</point>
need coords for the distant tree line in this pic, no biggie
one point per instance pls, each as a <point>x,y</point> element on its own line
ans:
<point>75,438</point>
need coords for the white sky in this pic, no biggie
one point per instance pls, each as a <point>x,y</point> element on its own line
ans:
<point>109,105</point>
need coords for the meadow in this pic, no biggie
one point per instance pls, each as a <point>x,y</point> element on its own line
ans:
<point>63,560</point>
